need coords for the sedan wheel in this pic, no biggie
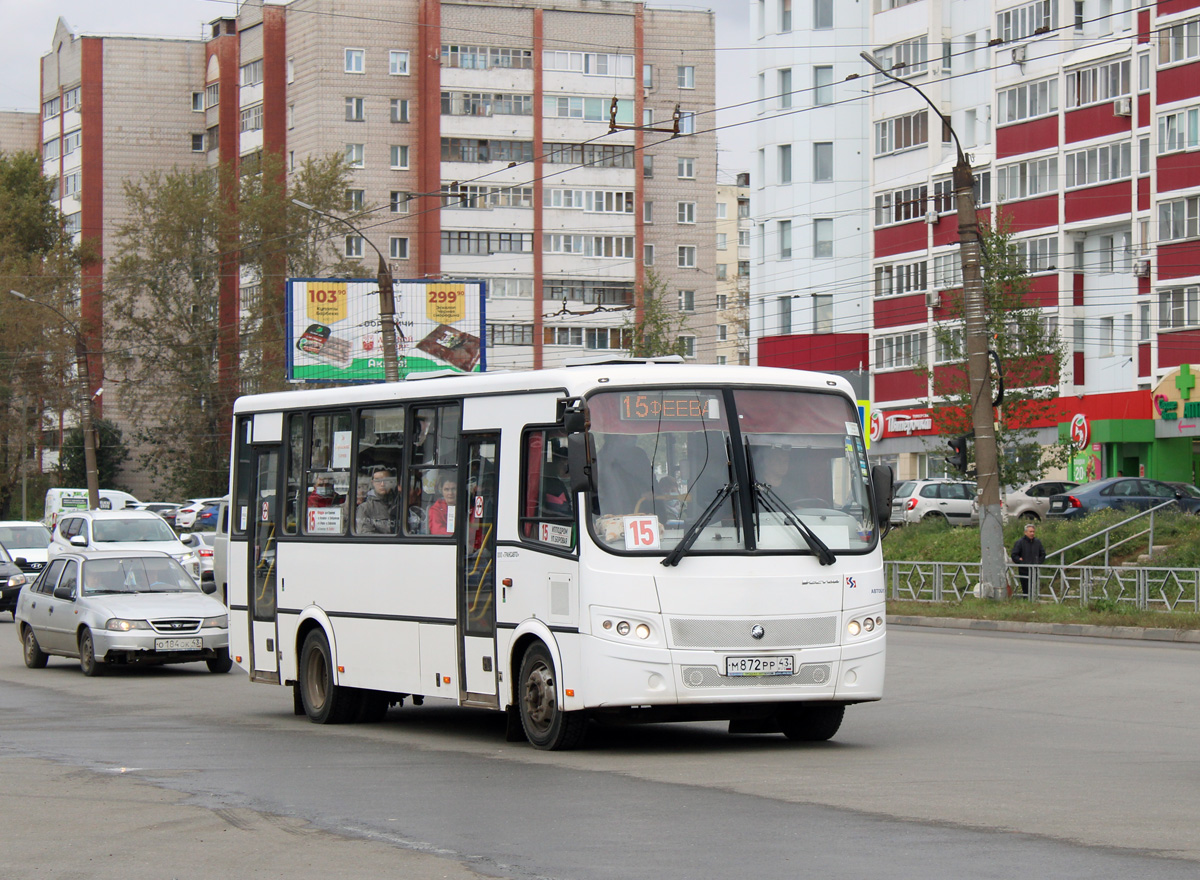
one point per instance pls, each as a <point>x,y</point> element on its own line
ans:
<point>35,657</point>
<point>87,655</point>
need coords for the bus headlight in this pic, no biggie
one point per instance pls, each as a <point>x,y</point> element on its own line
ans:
<point>854,627</point>
<point>869,624</point>
<point>623,628</point>
<point>643,631</point>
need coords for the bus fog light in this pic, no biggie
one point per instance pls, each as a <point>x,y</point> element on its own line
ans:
<point>607,624</point>
<point>869,624</point>
<point>623,628</point>
<point>642,631</point>
<point>853,628</point>
<point>879,621</point>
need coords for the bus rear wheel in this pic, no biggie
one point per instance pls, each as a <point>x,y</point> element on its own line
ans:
<point>813,723</point>
<point>324,701</point>
<point>545,723</point>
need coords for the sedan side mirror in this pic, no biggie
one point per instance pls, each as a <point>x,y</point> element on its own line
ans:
<point>65,592</point>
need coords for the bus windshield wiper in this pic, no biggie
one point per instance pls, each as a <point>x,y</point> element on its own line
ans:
<point>690,536</point>
<point>769,500</point>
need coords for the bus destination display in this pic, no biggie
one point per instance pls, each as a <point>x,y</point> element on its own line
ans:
<point>668,407</point>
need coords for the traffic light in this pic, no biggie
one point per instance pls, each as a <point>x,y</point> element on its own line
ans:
<point>957,459</point>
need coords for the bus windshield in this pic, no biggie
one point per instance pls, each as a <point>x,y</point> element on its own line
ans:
<point>668,459</point>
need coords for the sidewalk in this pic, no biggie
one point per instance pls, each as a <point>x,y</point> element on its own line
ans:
<point>1154,634</point>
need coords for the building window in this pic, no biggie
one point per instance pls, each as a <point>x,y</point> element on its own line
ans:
<point>822,85</point>
<point>1179,218</point>
<point>647,165</point>
<point>785,16</point>
<point>722,333</point>
<point>743,238</point>
<point>510,288</point>
<point>687,256</point>
<point>689,346</point>
<point>903,59</point>
<point>486,57</point>
<point>947,271</point>
<point>899,278</point>
<point>398,248</point>
<point>607,339</point>
<point>647,76</point>
<point>1099,164</point>
<point>398,202</point>
<point>398,63</point>
<point>252,73</point>
<point>822,15</point>
<point>722,241</point>
<point>722,274</point>
<point>687,300</point>
<point>901,133</point>
<point>1179,130</point>
<point>70,183</point>
<point>510,334</point>
<point>901,205</point>
<point>899,350</point>
<point>743,268</point>
<point>1038,254</point>
<point>355,155</point>
<point>51,108</point>
<point>589,63</point>
<point>1022,180</point>
<point>212,95</point>
<point>685,212</point>
<point>198,102</point>
<point>354,246</point>
<point>197,143</point>
<point>1144,322</point>
<point>486,243</point>
<point>291,70</point>
<point>1027,101</point>
<point>355,199</point>
<point>601,246</point>
<point>785,163</point>
<point>648,212</point>
<point>686,76</point>
<point>212,137</point>
<point>943,192</point>
<point>648,255</point>
<point>1091,85</point>
<point>822,238</point>
<point>687,121</point>
<point>822,313</point>
<point>73,223</point>
<point>1178,307</point>
<point>50,150</point>
<point>399,157</point>
<point>685,168</point>
<point>399,108</point>
<point>355,109</point>
<point>1027,20</point>
<point>785,88</point>
<point>822,162</point>
<point>1179,42</point>
<point>356,60</point>
<point>784,307</point>
<point>785,239</point>
<point>251,118</point>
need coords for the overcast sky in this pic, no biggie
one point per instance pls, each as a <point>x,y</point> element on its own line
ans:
<point>28,26</point>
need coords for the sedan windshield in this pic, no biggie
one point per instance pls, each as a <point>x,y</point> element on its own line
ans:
<point>108,531</point>
<point>669,468</point>
<point>137,574</point>
<point>24,537</point>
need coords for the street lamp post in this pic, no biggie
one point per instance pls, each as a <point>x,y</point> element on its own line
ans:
<point>993,567</point>
<point>387,301</point>
<point>85,401</point>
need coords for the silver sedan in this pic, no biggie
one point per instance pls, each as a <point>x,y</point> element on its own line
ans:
<point>112,608</point>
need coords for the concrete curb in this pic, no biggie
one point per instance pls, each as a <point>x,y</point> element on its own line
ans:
<point>1153,634</point>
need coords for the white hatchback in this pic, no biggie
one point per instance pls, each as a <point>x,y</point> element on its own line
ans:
<point>121,530</point>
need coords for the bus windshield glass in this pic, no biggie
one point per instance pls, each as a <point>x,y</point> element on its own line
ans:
<point>668,459</point>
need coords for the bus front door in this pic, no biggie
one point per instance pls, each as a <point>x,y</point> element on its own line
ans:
<point>264,655</point>
<point>477,570</point>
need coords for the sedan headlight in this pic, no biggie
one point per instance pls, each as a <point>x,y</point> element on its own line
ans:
<point>17,580</point>
<point>189,559</point>
<point>120,624</point>
<point>221,622</point>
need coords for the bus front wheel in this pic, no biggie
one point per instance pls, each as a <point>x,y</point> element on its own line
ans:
<point>815,722</point>
<point>324,701</point>
<point>545,723</point>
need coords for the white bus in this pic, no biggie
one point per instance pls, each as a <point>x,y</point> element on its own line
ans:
<point>636,541</point>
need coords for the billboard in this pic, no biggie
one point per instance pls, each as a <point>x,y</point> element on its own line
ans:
<point>334,329</point>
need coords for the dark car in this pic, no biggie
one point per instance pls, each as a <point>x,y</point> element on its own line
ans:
<point>1121,493</point>
<point>206,519</point>
<point>1191,496</point>
<point>11,581</point>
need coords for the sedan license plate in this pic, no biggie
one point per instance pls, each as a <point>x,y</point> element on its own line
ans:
<point>778,664</point>
<point>178,644</point>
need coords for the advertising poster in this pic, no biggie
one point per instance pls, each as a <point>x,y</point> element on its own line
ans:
<point>334,331</point>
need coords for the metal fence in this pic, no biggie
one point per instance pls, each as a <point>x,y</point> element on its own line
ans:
<point>1140,588</point>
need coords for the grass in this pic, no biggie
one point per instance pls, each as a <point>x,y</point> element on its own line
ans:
<point>938,542</point>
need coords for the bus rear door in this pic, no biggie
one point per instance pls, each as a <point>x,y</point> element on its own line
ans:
<point>477,569</point>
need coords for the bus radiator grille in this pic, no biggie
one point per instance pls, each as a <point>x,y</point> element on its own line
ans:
<point>803,632</point>
<point>815,674</point>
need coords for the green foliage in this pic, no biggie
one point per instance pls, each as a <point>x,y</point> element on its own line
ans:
<point>111,454</point>
<point>656,333</point>
<point>30,225</point>
<point>1031,353</point>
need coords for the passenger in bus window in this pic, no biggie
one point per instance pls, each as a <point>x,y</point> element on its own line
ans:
<point>323,493</point>
<point>379,514</point>
<point>441,513</point>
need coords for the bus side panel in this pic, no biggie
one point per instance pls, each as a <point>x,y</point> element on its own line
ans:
<point>238,601</point>
<point>439,662</point>
<point>383,655</point>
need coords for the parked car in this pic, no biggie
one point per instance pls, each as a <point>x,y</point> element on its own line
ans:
<point>1191,496</point>
<point>950,500</point>
<point>12,579</point>
<point>1122,493</point>
<point>121,530</point>
<point>166,509</point>
<point>26,542</point>
<point>1032,500</point>
<point>186,516</point>
<point>110,608</point>
<point>59,501</point>
<point>206,519</point>
<point>202,543</point>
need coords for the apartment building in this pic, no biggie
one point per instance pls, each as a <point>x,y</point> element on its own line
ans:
<point>1079,120</point>
<point>18,131</point>
<point>731,311</point>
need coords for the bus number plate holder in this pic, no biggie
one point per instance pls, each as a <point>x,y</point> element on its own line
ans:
<point>775,664</point>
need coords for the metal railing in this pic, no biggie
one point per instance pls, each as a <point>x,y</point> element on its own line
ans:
<point>1142,588</point>
<point>1109,545</point>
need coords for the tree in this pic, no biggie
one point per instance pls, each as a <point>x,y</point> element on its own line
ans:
<point>37,349</point>
<point>179,360</point>
<point>111,454</point>
<point>1031,357</point>
<point>656,332</point>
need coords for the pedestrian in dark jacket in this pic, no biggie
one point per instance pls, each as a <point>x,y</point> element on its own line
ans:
<point>1028,552</point>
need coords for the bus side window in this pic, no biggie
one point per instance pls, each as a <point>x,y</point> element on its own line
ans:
<point>433,463</point>
<point>547,512</point>
<point>294,491</point>
<point>381,436</point>
<point>328,482</point>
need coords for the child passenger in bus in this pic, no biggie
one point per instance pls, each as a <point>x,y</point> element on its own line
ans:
<point>441,512</point>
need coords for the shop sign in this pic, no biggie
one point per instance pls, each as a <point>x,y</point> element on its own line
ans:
<point>902,423</point>
<point>1080,431</point>
<point>1177,404</point>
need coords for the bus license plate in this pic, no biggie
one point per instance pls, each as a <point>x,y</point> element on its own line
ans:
<point>178,644</point>
<point>780,664</point>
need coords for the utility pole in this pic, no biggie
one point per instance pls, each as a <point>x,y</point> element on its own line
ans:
<point>993,561</point>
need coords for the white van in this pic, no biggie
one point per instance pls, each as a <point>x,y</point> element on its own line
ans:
<point>59,500</point>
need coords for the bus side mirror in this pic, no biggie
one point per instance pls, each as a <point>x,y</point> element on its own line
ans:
<point>881,488</point>
<point>574,421</point>
<point>579,468</point>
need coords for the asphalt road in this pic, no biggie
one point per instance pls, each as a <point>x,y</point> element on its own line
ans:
<point>990,756</point>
